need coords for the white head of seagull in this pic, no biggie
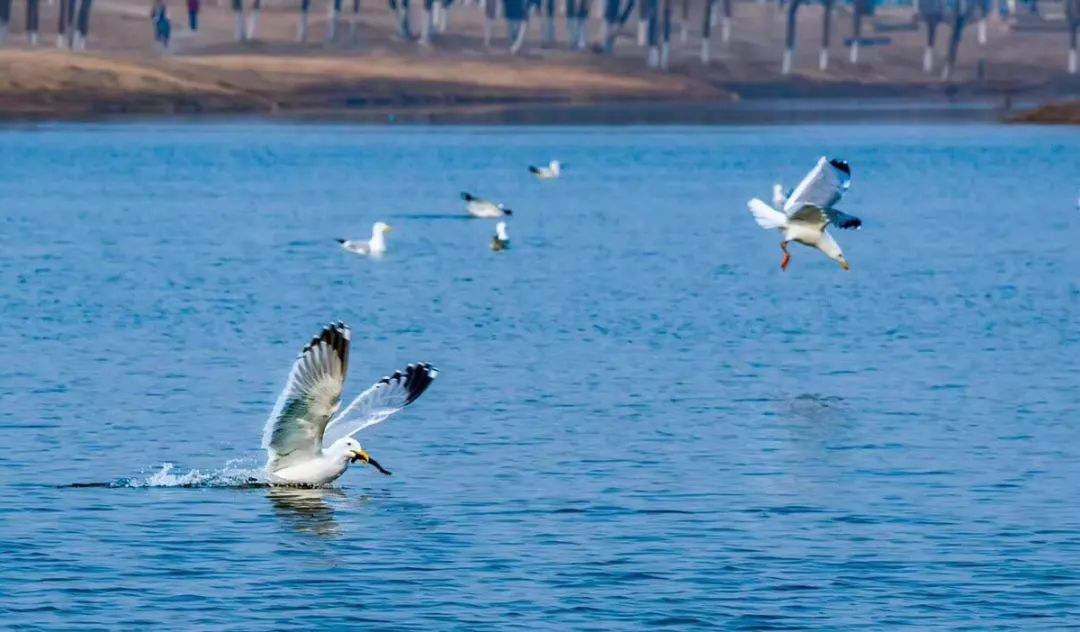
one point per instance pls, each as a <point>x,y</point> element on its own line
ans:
<point>485,209</point>
<point>549,172</point>
<point>306,440</point>
<point>810,209</point>
<point>374,246</point>
<point>501,240</point>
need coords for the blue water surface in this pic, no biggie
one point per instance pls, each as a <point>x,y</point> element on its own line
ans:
<point>641,421</point>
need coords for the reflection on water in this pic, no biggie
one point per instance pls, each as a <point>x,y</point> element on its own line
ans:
<point>307,510</point>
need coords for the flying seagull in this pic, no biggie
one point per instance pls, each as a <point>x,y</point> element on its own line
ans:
<point>549,172</point>
<point>305,441</point>
<point>501,240</point>
<point>810,209</point>
<point>375,246</point>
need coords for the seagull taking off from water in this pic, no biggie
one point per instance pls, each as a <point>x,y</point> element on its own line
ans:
<point>549,172</point>
<point>374,247</point>
<point>484,209</point>
<point>501,240</point>
<point>306,443</point>
<point>810,209</point>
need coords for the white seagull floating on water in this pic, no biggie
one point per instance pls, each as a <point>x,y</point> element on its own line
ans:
<point>306,444</point>
<point>501,240</point>
<point>549,172</point>
<point>374,246</point>
<point>484,209</point>
<point>810,209</point>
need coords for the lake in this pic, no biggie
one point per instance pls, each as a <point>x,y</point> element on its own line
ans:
<point>640,420</point>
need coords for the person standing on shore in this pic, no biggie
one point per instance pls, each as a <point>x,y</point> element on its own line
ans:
<point>193,14</point>
<point>159,15</point>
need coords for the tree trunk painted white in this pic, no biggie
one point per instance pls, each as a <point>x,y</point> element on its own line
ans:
<point>443,21</point>
<point>332,17</point>
<point>301,29</point>
<point>706,52</point>
<point>582,33</point>
<point>80,42</point>
<point>642,27</point>
<point>725,29</point>
<point>59,40</point>
<point>684,32</point>
<point>520,28</point>
<point>785,65</point>
<point>252,23</point>
<point>653,60</point>
<point>982,31</point>
<point>855,51</point>
<point>32,36</point>
<point>425,27</point>
<point>1072,61</point>
<point>488,22</point>
<point>665,55</point>
<point>823,60</point>
<point>238,25</point>
<point>928,60</point>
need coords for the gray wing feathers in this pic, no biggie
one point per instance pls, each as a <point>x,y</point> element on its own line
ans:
<point>383,399</point>
<point>823,186</point>
<point>311,396</point>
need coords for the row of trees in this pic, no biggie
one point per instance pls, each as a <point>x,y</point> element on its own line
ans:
<point>654,24</point>
<point>73,24</point>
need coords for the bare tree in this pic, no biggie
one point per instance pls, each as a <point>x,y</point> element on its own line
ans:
<point>789,40</point>
<point>65,28</point>
<point>665,44</point>
<point>301,29</point>
<point>238,19</point>
<point>5,18</point>
<point>706,31</point>
<point>354,20</point>
<point>517,23</point>
<point>253,18</point>
<point>577,14</point>
<point>332,22</point>
<point>826,33</point>
<point>963,12</point>
<point>82,24</point>
<point>403,12</point>
<point>428,23</point>
<point>549,24</point>
<point>859,8</point>
<point>32,15</point>
<point>725,22</point>
<point>1072,15</point>
<point>684,21</point>
<point>932,13</point>
<point>652,60</point>
<point>489,20</point>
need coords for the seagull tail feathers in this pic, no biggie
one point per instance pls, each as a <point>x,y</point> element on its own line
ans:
<point>766,216</point>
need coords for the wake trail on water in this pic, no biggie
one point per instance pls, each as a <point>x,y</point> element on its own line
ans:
<point>235,473</point>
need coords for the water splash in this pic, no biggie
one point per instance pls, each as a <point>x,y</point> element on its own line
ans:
<point>235,473</point>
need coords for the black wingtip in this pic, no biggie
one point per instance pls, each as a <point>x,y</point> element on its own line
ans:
<point>507,211</point>
<point>416,379</point>
<point>339,240</point>
<point>468,197</point>
<point>842,165</point>
<point>533,169</point>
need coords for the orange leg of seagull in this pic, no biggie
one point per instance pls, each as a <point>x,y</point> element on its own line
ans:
<point>787,256</point>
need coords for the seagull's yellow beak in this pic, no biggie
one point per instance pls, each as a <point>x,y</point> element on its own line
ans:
<point>844,265</point>
<point>360,455</point>
<point>387,228</point>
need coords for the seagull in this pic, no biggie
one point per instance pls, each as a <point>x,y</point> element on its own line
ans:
<point>483,208</point>
<point>308,444</point>
<point>501,240</point>
<point>549,172</point>
<point>375,246</point>
<point>809,210</point>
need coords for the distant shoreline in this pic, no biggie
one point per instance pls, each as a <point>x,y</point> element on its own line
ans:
<point>43,86</point>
